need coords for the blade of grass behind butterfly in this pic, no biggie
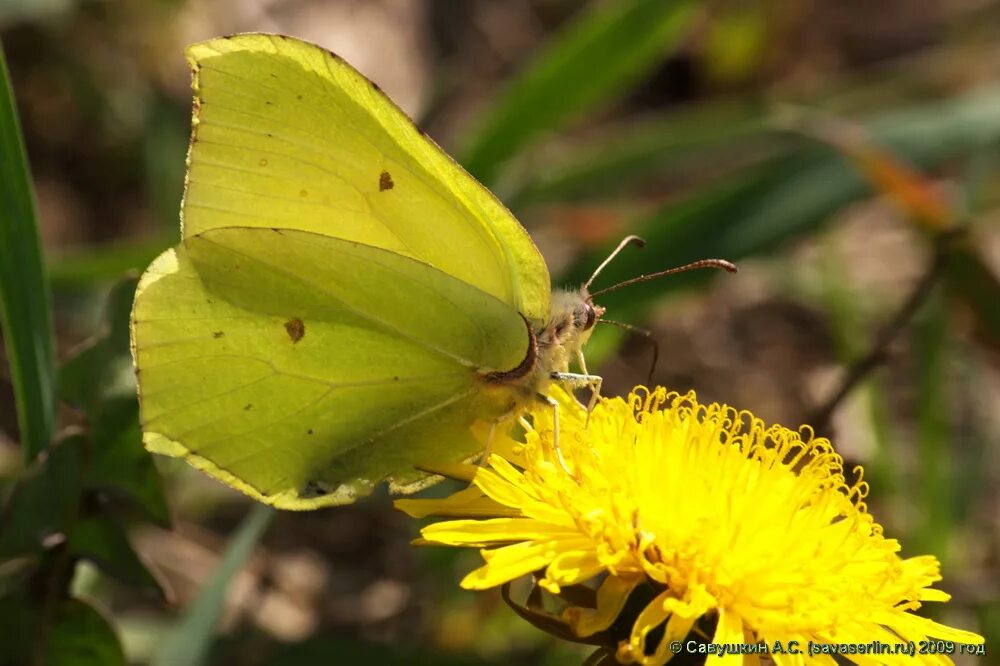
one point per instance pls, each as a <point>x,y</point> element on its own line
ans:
<point>190,640</point>
<point>766,204</point>
<point>970,280</point>
<point>90,266</point>
<point>934,473</point>
<point>642,150</point>
<point>598,56</point>
<point>968,276</point>
<point>932,209</point>
<point>720,136</point>
<point>25,11</point>
<point>24,292</point>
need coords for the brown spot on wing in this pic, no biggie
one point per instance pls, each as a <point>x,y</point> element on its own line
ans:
<point>295,329</point>
<point>218,334</point>
<point>385,181</point>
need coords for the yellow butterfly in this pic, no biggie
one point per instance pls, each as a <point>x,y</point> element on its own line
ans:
<point>346,301</point>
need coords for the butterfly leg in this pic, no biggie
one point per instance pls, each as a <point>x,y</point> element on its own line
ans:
<point>595,395</point>
<point>484,458</point>
<point>579,380</point>
<point>595,388</point>
<point>555,431</point>
<point>488,449</point>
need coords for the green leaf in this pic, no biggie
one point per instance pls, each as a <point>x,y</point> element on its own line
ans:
<point>53,504</point>
<point>119,468</point>
<point>24,292</point>
<point>102,368</point>
<point>73,633</point>
<point>100,380</point>
<point>600,55</point>
<point>100,539</point>
<point>189,642</point>
<point>20,630</point>
<point>80,636</point>
<point>44,500</point>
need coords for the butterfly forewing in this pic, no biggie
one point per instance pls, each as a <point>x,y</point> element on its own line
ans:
<point>288,135</point>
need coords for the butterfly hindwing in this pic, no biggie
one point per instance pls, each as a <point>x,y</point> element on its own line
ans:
<point>302,369</point>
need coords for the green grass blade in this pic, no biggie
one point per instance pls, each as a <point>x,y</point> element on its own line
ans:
<point>94,266</point>
<point>24,291</point>
<point>662,148</point>
<point>597,57</point>
<point>189,642</point>
<point>971,281</point>
<point>770,203</point>
<point>934,482</point>
<point>70,632</point>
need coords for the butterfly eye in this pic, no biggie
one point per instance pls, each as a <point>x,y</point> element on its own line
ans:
<point>589,317</point>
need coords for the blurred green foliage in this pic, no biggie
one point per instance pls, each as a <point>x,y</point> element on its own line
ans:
<point>657,118</point>
<point>24,293</point>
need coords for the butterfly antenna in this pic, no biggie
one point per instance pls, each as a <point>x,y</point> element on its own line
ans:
<point>694,265</point>
<point>647,335</point>
<point>628,240</point>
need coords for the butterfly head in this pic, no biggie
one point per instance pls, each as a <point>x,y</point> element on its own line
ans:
<point>583,311</point>
<point>572,321</point>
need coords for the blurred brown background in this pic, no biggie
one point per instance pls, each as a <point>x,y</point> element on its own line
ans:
<point>103,92</point>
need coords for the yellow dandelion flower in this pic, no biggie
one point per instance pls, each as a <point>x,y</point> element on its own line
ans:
<point>726,530</point>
